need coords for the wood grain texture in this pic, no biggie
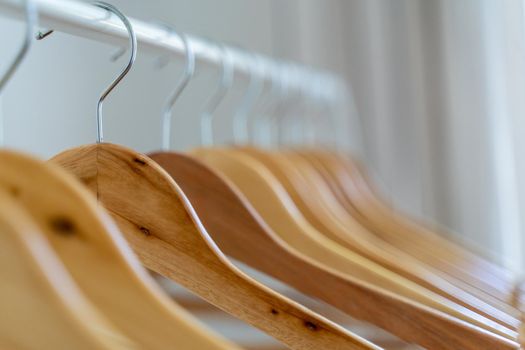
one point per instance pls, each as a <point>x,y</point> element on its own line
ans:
<point>41,306</point>
<point>163,229</point>
<point>326,164</point>
<point>404,318</point>
<point>351,180</point>
<point>239,231</point>
<point>99,260</point>
<point>315,201</point>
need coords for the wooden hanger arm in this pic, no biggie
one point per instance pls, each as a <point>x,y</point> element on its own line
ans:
<point>162,228</point>
<point>344,288</point>
<point>98,259</point>
<point>240,232</point>
<point>313,198</point>
<point>42,308</point>
<point>447,255</point>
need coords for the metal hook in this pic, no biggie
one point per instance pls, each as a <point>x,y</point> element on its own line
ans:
<point>296,79</point>
<point>188,73</point>
<point>324,109</point>
<point>226,82</point>
<point>31,19</point>
<point>312,133</point>
<point>255,88</point>
<point>280,93</point>
<point>259,127</point>
<point>133,44</point>
<point>31,15</point>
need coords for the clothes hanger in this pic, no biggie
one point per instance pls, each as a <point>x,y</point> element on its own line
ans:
<point>99,260</point>
<point>274,166</point>
<point>326,163</point>
<point>333,220</point>
<point>97,256</point>
<point>204,194</point>
<point>320,208</point>
<point>314,203</point>
<point>237,229</point>
<point>38,295</point>
<point>161,226</point>
<point>304,159</point>
<point>353,188</point>
<point>350,179</point>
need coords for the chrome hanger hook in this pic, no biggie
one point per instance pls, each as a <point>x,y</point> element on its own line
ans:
<point>225,84</point>
<point>31,15</point>
<point>259,128</point>
<point>189,71</point>
<point>281,92</point>
<point>133,56</point>
<point>255,88</point>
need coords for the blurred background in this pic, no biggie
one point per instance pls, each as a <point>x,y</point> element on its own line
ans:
<point>438,110</point>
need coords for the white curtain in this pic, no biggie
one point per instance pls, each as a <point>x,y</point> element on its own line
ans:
<point>440,91</point>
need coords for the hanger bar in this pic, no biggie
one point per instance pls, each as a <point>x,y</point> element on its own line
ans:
<point>88,21</point>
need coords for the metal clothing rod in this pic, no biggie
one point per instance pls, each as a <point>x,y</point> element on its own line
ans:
<point>88,21</point>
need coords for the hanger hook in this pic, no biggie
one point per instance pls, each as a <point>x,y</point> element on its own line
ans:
<point>280,93</point>
<point>294,106</point>
<point>133,45</point>
<point>255,88</point>
<point>31,19</point>
<point>31,15</point>
<point>226,82</point>
<point>259,128</point>
<point>188,73</point>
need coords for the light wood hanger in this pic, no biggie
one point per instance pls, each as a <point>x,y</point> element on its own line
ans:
<point>163,229</point>
<point>241,233</point>
<point>356,193</point>
<point>321,169</point>
<point>161,226</point>
<point>42,307</point>
<point>96,253</point>
<point>272,204</point>
<point>98,258</point>
<point>316,203</point>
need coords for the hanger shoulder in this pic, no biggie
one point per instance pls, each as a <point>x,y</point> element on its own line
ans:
<point>42,308</point>
<point>374,272</point>
<point>249,179</point>
<point>161,226</point>
<point>324,161</point>
<point>98,258</point>
<point>309,192</point>
<point>350,180</point>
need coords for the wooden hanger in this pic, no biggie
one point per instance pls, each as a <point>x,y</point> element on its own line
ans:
<point>165,232</point>
<point>162,228</point>
<point>98,258</point>
<point>318,196</point>
<point>310,193</point>
<point>270,200</point>
<point>42,307</point>
<point>241,233</point>
<point>355,192</point>
<point>320,169</point>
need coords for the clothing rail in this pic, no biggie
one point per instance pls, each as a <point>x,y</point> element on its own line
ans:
<point>88,21</point>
